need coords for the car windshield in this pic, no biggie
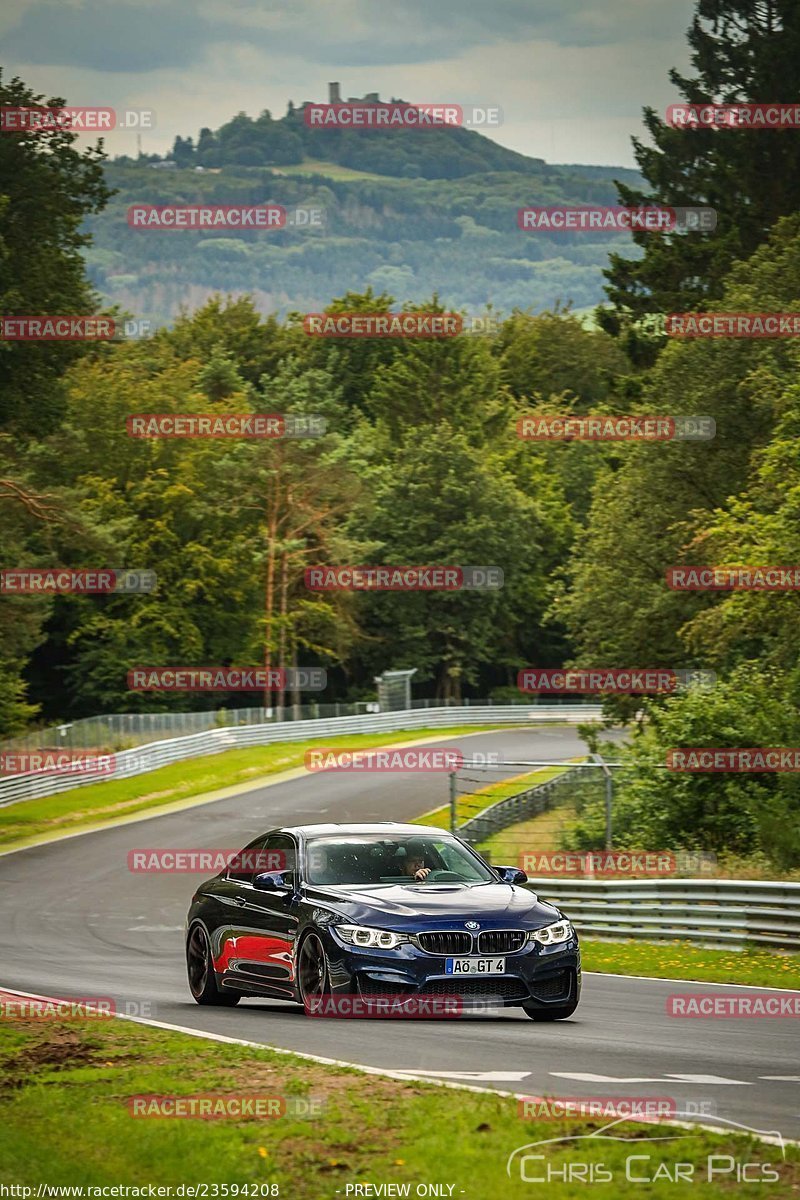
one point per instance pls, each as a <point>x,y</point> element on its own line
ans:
<point>413,860</point>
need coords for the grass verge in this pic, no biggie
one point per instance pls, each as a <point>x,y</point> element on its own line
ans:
<point>682,960</point>
<point>98,803</point>
<point>65,1121</point>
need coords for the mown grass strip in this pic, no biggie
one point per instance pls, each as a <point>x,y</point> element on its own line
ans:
<point>682,960</point>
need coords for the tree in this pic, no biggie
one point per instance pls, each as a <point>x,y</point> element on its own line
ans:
<point>48,188</point>
<point>441,499</point>
<point>730,814</point>
<point>654,510</point>
<point>741,50</point>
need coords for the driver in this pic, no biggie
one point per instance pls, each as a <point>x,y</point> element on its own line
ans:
<point>414,862</point>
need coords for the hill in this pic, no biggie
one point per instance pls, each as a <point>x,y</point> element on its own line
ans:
<point>407,212</point>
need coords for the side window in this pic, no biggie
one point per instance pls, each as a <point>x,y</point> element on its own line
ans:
<point>279,853</point>
<point>245,864</point>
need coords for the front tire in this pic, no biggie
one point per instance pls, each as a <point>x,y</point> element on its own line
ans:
<point>550,1014</point>
<point>200,968</point>
<point>313,973</point>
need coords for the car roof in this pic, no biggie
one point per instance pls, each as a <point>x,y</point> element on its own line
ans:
<point>331,829</point>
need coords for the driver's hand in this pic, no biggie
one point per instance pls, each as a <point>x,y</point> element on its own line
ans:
<point>422,873</point>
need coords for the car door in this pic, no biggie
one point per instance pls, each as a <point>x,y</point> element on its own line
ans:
<point>262,924</point>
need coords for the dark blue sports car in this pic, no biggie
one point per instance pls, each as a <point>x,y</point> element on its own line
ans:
<point>378,910</point>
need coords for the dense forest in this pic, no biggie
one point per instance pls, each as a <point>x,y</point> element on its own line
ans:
<point>421,461</point>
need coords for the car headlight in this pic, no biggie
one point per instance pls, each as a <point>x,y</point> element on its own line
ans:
<point>551,935</point>
<point>362,935</point>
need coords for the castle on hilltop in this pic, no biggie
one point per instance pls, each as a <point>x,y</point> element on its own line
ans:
<point>335,97</point>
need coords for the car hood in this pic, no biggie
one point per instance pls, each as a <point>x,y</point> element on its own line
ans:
<point>395,906</point>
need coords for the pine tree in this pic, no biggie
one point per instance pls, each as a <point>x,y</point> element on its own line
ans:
<point>742,50</point>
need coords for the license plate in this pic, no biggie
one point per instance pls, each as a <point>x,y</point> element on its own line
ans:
<point>475,966</point>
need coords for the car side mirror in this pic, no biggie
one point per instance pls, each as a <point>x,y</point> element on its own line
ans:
<point>274,881</point>
<point>511,875</point>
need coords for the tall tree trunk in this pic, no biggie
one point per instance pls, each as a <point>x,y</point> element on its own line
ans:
<point>282,627</point>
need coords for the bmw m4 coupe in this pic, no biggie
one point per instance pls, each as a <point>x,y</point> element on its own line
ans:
<point>375,910</point>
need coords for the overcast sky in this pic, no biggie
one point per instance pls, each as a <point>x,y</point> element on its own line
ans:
<point>571,76</point>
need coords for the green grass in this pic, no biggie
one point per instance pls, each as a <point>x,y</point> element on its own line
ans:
<point>317,166</point>
<point>682,960</point>
<point>98,803</point>
<point>65,1121</point>
<point>472,803</point>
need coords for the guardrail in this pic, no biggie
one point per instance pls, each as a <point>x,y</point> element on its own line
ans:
<point>15,788</point>
<point>719,913</point>
<point>124,731</point>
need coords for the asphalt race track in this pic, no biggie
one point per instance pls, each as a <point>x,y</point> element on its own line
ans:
<point>77,922</point>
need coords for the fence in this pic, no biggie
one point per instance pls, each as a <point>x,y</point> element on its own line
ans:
<point>15,788</point>
<point>718,913</point>
<point>511,809</point>
<point>123,731</point>
<point>574,786</point>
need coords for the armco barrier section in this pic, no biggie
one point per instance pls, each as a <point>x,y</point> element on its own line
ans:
<point>14,788</point>
<point>719,913</point>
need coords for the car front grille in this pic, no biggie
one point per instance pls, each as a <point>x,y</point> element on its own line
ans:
<point>501,941</point>
<point>445,943</point>
<point>502,988</point>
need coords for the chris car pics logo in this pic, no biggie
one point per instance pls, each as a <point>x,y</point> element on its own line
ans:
<point>646,1164</point>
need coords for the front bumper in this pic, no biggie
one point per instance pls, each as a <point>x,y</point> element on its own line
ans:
<point>536,975</point>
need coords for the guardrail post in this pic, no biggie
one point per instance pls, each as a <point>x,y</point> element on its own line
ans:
<point>453,801</point>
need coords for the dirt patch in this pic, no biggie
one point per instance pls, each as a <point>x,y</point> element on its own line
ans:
<point>62,1049</point>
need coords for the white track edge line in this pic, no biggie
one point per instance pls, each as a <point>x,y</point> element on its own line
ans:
<point>750,987</point>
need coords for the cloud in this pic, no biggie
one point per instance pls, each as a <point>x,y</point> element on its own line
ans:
<point>140,36</point>
<point>570,77</point>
